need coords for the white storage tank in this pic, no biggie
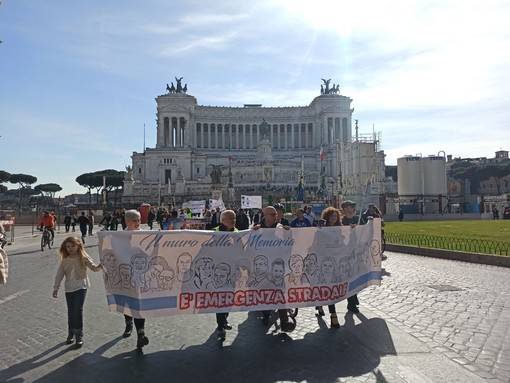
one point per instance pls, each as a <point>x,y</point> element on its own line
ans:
<point>434,175</point>
<point>409,173</point>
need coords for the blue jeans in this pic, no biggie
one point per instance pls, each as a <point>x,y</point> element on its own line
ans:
<point>75,301</point>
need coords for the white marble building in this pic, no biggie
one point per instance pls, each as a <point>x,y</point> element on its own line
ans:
<point>266,149</point>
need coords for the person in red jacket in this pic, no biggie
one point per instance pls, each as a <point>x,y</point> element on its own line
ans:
<point>48,222</point>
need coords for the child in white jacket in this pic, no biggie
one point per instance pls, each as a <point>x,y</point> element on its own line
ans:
<point>73,265</point>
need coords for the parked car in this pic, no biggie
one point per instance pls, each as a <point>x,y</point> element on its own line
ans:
<point>506,213</point>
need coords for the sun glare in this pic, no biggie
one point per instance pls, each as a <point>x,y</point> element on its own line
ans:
<point>321,14</point>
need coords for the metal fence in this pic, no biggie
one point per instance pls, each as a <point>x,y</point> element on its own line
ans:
<point>469,245</point>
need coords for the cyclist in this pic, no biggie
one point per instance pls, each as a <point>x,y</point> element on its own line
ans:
<point>48,222</point>
<point>107,218</point>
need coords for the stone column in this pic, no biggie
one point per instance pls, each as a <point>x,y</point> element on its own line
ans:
<point>208,136</point>
<point>216,136</point>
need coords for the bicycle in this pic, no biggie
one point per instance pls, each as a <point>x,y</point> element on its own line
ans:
<point>46,239</point>
<point>3,240</point>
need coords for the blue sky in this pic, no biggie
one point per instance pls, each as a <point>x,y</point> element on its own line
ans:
<point>78,79</point>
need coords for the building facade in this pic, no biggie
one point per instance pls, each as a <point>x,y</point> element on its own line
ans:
<point>205,152</point>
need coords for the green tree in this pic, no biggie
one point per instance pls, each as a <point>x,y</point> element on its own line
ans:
<point>90,181</point>
<point>113,180</point>
<point>467,171</point>
<point>391,171</point>
<point>4,176</point>
<point>48,190</point>
<point>496,172</point>
<point>23,180</point>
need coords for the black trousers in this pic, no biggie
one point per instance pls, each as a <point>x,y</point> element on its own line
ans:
<point>221,320</point>
<point>353,301</point>
<point>282,313</point>
<point>139,322</point>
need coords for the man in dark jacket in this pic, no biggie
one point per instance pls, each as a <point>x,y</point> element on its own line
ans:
<point>280,210</point>
<point>257,218</point>
<point>242,220</point>
<point>215,219</point>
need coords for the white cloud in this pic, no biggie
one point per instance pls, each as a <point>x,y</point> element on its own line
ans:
<point>83,76</point>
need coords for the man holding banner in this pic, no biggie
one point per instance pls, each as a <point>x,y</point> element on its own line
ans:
<point>271,221</point>
<point>227,223</point>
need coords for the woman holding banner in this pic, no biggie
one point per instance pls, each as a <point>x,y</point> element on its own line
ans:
<point>333,217</point>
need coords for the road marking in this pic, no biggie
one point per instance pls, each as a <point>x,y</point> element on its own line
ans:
<point>13,296</point>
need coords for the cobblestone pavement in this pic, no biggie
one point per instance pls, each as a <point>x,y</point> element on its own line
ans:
<point>431,321</point>
<point>459,309</point>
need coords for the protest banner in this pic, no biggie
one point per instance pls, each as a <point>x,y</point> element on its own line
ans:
<point>214,203</point>
<point>160,273</point>
<point>251,202</point>
<point>196,207</point>
<point>178,223</point>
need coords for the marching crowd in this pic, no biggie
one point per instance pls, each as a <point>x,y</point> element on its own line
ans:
<point>75,260</point>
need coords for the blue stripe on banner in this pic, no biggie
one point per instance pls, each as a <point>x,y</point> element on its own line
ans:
<point>365,278</point>
<point>142,304</point>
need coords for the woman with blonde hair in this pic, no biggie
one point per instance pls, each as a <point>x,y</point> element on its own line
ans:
<point>73,266</point>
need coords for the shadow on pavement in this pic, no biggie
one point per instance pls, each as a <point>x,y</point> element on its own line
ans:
<point>255,355</point>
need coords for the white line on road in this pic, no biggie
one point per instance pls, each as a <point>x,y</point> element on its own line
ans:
<point>13,296</point>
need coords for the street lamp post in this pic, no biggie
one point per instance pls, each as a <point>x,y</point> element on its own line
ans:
<point>159,192</point>
<point>59,203</point>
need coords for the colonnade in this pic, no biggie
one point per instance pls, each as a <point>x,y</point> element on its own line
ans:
<point>248,136</point>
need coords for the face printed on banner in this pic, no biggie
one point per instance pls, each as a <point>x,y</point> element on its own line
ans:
<point>109,262</point>
<point>261,265</point>
<point>221,275</point>
<point>278,269</point>
<point>296,264</point>
<point>139,263</point>
<point>126,273</point>
<point>311,265</point>
<point>154,271</point>
<point>184,263</point>
<point>327,267</point>
<point>243,270</point>
<point>242,274</point>
<point>165,279</point>
<point>205,269</point>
